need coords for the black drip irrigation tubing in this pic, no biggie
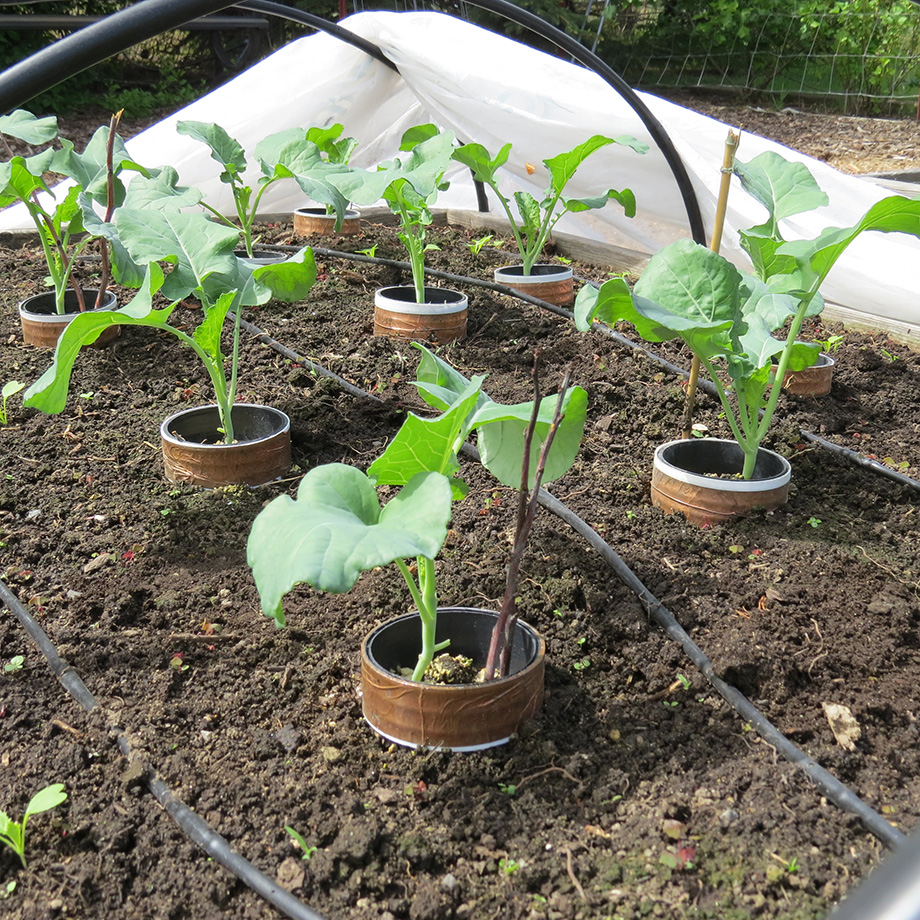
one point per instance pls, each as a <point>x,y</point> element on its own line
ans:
<point>844,453</point>
<point>193,826</point>
<point>219,849</point>
<point>836,791</point>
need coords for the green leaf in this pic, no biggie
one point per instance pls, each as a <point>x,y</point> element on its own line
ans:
<point>224,149</point>
<point>46,799</point>
<point>20,177</point>
<point>337,149</point>
<point>335,530</point>
<point>890,215</point>
<point>423,169</point>
<point>501,437</point>
<point>160,190</point>
<point>501,428</point>
<point>782,187</point>
<point>49,392</point>
<point>428,445</point>
<point>200,249</point>
<point>483,167</point>
<point>208,334</point>
<point>288,154</point>
<point>416,135</point>
<point>529,209</point>
<point>563,166</point>
<point>27,127</point>
<point>291,280</point>
<point>625,198</point>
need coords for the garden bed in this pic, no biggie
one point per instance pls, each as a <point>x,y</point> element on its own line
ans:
<point>637,792</point>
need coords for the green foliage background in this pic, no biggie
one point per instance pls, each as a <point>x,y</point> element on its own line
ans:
<point>861,56</point>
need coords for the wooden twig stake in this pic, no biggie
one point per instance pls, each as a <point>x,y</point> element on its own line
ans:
<point>503,633</point>
<point>728,162</point>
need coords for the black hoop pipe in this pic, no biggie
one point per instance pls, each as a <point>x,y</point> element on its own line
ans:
<point>121,30</point>
<point>125,28</point>
<point>589,59</point>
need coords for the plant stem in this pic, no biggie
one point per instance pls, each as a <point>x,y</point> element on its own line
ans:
<point>424,594</point>
<point>414,240</point>
<point>110,205</point>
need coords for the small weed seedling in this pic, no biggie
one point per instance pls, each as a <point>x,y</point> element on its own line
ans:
<point>890,356</point>
<point>814,522</point>
<point>14,664</point>
<point>370,252</point>
<point>306,852</point>
<point>508,788</point>
<point>9,389</point>
<point>475,246</point>
<point>509,866</point>
<point>830,344</point>
<point>13,834</point>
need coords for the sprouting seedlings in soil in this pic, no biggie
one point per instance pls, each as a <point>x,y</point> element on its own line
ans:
<point>815,522</point>
<point>370,252</point>
<point>830,344</point>
<point>509,866</point>
<point>582,665</point>
<point>10,888</point>
<point>177,662</point>
<point>14,664</point>
<point>725,316</point>
<point>306,852</point>
<point>409,186</point>
<point>508,788</point>
<point>538,218</point>
<point>13,834</point>
<point>71,224</point>
<point>205,265</point>
<point>685,682</point>
<point>11,388</point>
<point>890,356</point>
<point>475,246</point>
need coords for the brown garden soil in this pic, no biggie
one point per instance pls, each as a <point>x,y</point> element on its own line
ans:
<point>636,792</point>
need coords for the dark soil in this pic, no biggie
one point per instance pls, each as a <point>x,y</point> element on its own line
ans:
<point>633,794</point>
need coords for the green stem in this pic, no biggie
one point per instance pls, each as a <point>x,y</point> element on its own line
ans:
<point>536,247</point>
<point>518,239</point>
<point>414,238</point>
<point>424,594</point>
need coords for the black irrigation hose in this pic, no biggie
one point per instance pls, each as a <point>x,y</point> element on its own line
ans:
<point>200,832</point>
<point>836,791</point>
<point>843,453</point>
<point>194,827</point>
<point>321,25</point>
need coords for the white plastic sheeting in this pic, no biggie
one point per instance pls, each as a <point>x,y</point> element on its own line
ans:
<point>492,90</point>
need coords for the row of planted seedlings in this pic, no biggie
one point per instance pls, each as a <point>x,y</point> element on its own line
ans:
<point>336,528</point>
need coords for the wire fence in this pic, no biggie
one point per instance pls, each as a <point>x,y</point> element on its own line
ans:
<point>851,56</point>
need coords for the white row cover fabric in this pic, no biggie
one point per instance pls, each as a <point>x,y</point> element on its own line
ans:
<point>489,89</point>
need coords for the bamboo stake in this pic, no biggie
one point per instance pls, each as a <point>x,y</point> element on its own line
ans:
<point>728,162</point>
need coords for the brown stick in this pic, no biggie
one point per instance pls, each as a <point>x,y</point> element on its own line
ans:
<point>503,632</point>
<point>728,162</point>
